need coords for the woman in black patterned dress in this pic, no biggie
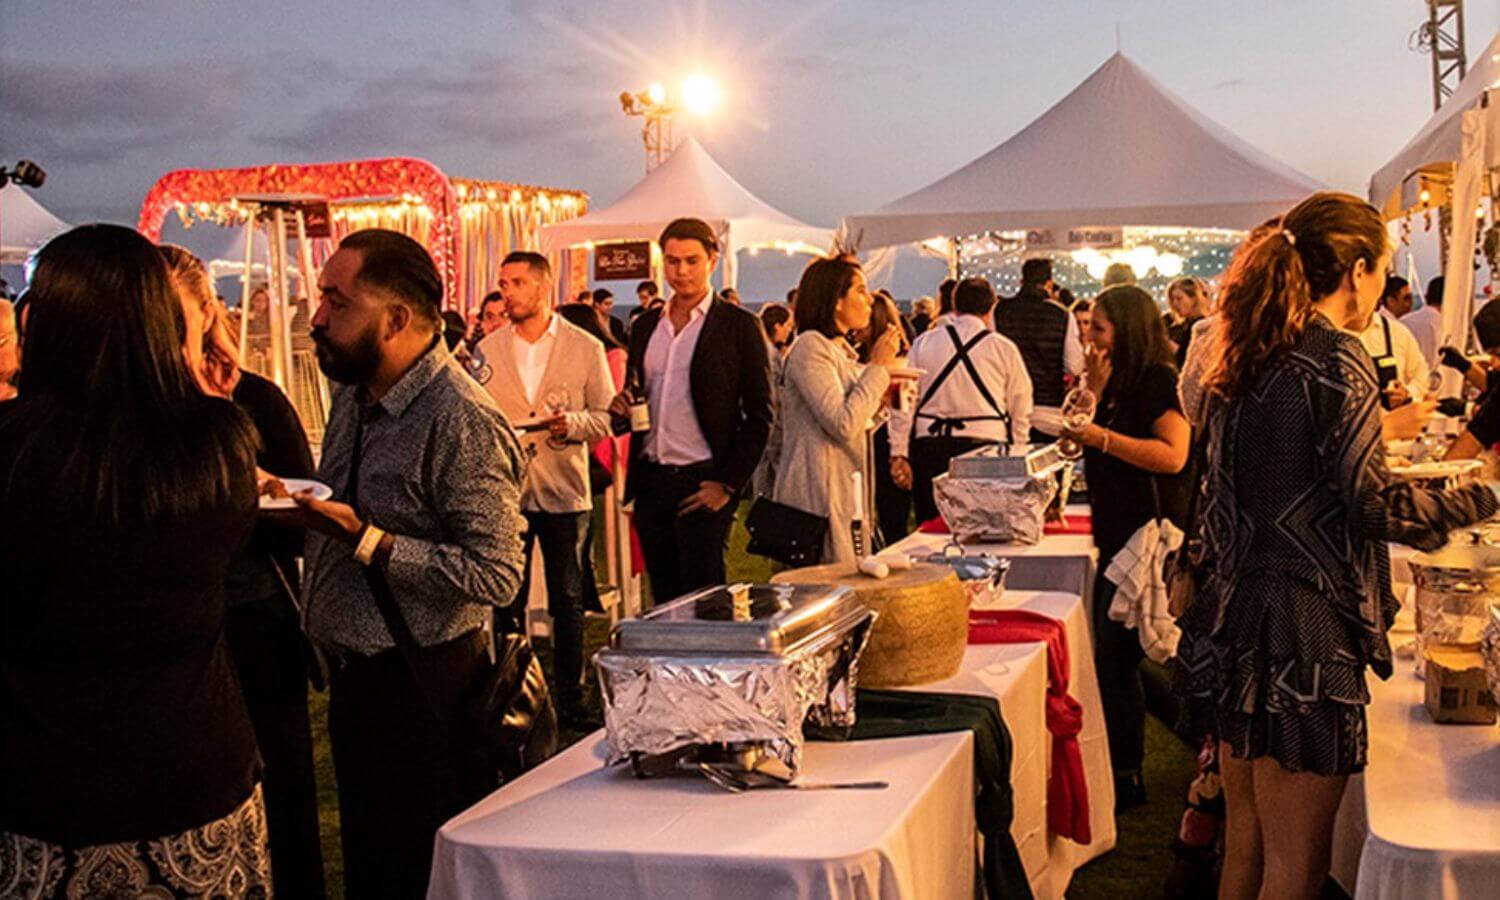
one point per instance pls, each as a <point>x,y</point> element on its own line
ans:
<point>1297,510</point>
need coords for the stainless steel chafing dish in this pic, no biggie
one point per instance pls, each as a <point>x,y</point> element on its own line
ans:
<point>989,495</point>
<point>732,676</point>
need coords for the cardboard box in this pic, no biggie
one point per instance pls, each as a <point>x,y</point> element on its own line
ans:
<point>1457,692</point>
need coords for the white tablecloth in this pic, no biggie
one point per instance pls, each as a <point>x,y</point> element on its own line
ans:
<point>1058,562</point>
<point>1424,819</point>
<point>572,828</point>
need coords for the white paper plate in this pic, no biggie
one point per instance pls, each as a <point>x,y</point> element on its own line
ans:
<point>318,489</point>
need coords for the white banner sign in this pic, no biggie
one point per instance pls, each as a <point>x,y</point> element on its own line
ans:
<point>1074,238</point>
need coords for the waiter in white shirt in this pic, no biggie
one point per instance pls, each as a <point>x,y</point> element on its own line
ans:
<point>974,391</point>
<point>1426,323</point>
<point>551,380</point>
<point>1399,365</point>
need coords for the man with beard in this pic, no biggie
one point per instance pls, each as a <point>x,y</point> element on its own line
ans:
<point>542,367</point>
<point>426,475</point>
<point>703,366</point>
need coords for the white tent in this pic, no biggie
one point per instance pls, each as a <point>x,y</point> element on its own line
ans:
<point>1438,145</point>
<point>24,225</point>
<point>1120,150</point>
<point>690,183</point>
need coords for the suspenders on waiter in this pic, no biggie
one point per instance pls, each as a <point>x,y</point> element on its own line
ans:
<point>1387,367</point>
<point>945,426</point>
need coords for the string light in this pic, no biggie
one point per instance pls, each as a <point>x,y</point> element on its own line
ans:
<point>1157,255</point>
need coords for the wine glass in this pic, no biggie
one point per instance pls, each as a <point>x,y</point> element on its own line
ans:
<point>555,402</point>
<point>1078,409</point>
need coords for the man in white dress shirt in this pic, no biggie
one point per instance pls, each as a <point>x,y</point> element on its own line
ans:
<point>1426,324</point>
<point>704,368</point>
<point>551,380</point>
<point>974,390</point>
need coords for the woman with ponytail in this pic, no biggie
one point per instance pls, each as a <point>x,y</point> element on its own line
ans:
<point>1295,596</point>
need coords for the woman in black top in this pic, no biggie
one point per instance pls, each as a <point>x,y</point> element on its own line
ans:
<point>127,762</point>
<point>263,624</point>
<point>1138,440</point>
<point>1295,598</point>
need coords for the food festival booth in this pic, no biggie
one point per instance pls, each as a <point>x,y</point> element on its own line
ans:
<point>1119,170</point>
<point>1423,819</point>
<point>1452,161</point>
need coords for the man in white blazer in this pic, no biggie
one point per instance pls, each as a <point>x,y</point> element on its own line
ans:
<point>551,380</point>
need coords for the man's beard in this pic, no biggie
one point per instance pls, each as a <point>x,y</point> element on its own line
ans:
<point>356,364</point>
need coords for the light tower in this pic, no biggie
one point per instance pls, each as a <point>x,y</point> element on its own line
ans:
<point>1442,35</point>
<point>697,96</point>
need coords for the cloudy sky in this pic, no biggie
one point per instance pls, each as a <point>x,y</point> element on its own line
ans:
<point>829,107</point>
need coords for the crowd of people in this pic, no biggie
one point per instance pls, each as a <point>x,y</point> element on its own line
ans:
<point>158,634</point>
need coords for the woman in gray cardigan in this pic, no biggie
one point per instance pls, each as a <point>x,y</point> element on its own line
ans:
<point>829,401</point>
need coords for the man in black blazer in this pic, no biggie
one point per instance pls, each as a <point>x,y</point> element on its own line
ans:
<point>702,364</point>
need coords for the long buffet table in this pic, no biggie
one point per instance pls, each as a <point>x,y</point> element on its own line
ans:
<point>1423,820</point>
<point>573,827</point>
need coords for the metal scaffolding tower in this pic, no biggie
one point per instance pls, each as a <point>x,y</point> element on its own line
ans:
<point>1442,35</point>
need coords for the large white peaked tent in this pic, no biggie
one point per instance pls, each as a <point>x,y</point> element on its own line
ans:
<point>689,183</point>
<point>25,224</point>
<point>1437,146</point>
<point>1120,150</point>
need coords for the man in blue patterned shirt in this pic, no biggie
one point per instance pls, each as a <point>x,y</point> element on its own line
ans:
<point>426,475</point>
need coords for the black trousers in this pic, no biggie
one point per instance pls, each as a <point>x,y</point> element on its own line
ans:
<point>892,504</point>
<point>929,459</point>
<point>399,778</point>
<point>567,562</point>
<point>1117,657</point>
<point>266,645</point>
<point>683,553</point>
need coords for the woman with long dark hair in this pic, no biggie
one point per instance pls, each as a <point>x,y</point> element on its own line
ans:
<point>1137,442</point>
<point>1295,597</point>
<point>263,623</point>
<point>127,761</point>
<point>829,399</point>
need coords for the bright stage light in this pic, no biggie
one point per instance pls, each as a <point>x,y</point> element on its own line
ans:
<point>700,95</point>
<point>1169,265</point>
<point>656,93</point>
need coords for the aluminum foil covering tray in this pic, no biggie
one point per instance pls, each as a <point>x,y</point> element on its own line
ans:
<point>742,667</point>
<point>996,510</point>
<point>1489,648</point>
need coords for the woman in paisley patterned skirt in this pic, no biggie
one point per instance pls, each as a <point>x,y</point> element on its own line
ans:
<point>1295,597</point>
<point>127,762</point>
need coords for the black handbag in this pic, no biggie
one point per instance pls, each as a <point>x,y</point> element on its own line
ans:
<point>506,720</point>
<point>785,533</point>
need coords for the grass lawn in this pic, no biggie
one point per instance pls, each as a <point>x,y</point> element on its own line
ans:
<point>1135,868</point>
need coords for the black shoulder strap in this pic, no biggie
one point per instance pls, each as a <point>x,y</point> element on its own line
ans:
<point>961,357</point>
<point>944,372</point>
<point>984,391</point>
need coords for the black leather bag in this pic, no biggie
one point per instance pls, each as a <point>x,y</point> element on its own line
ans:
<point>785,533</point>
<point>507,720</point>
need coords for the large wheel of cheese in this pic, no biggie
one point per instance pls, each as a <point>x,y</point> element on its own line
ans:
<point>922,624</point>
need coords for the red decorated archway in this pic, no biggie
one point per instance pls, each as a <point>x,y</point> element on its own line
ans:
<point>392,176</point>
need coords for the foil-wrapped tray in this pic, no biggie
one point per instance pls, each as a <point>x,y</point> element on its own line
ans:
<point>1489,648</point>
<point>732,675</point>
<point>997,510</point>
